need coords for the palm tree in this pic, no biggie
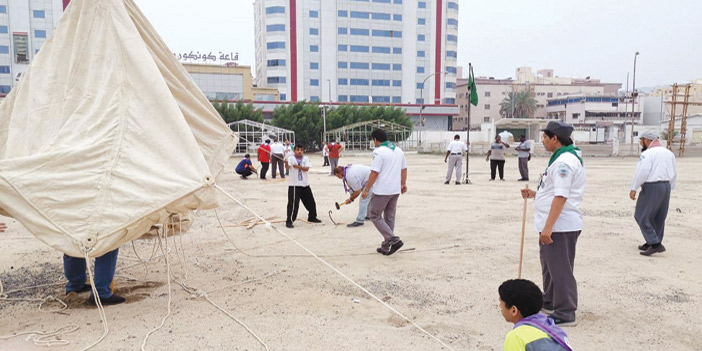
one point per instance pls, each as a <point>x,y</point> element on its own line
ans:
<point>518,105</point>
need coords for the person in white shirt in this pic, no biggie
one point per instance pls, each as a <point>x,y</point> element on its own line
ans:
<point>455,151</point>
<point>299,188</point>
<point>496,156</point>
<point>559,221</point>
<point>277,158</point>
<point>288,152</point>
<point>325,153</point>
<point>524,155</point>
<point>355,177</point>
<point>388,179</point>
<point>655,174</point>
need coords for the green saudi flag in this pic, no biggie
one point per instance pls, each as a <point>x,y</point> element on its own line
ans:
<point>473,89</point>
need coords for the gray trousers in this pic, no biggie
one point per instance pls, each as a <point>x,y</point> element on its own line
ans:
<point>382,214</point>
<point>277,164</point>
<point>524,167</point>
<point>455,161</point>
<point>652,210</point>
<point>557,263</point>
<point>333,162</point>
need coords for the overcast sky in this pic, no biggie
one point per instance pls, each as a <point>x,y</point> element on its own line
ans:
<point>596,38</point>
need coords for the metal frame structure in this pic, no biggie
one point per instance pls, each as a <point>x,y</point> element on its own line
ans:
<point>683,122</point>
<point>252,134</point>
<point>357,136</point>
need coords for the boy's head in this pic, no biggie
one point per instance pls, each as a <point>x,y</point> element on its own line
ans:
<point>339,172</point>
<point>247,156</point>
<point>379,136</point>
<point>519,298</point>
<point>299,150</point>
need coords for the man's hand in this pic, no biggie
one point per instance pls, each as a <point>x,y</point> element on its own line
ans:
<point>632,194</point>
<point>3,226</point>
<point>528,194</point>
<point>444,160</point>
<point>404,188</point>
<point>364,194</point>
<point>545,237</point>
<point>348,201</point>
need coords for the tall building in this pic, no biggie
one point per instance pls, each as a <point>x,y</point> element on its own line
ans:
<point>24,27</point>
<point>363,51</point>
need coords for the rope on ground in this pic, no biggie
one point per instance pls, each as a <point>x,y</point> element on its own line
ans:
<point>168,273</point>
<point>48,339</point>
<point>101,309</point>
<point>398,313</point>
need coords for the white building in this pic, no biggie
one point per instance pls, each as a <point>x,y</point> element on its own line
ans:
<point>24,27</point>
<point>363,51</point>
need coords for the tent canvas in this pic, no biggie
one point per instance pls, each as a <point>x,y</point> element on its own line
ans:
<point>106,134</point>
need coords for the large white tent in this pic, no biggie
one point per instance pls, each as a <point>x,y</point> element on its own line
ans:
<point>106,134</point>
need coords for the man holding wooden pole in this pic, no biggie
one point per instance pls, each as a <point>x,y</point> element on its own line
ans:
<point>559,221</point>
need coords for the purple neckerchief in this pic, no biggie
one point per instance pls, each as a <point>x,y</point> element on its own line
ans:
<point>546,324</point>
<point>346,187</point>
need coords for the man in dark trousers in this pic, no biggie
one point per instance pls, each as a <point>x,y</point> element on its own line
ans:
<point>656,174</point>
<point>335,150</point>
<point>105,266</point>
<point>496,156</point>
<point>245,168</point>
<point>299,189</point>
<point>559,221</point>
<point>264,157</point>
<point>524,155</point>
<point>277,158</point>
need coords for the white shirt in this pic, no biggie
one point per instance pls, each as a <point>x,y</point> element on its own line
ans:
<point>357,177</point>
<point>298,177</point>
<point>288,150</point>
<point>566,178</point>
<point>525,145</point>
<point>389,165</point>
<point>497,151</point>
<point>457,147</point>
<point>656,164</point>
<point>325,150</point>
<point>277,148</point>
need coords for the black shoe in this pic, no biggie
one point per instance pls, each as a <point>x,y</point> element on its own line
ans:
<point>84,288</point>
<point>394,247</point>
<point>367,218</point>
<point>644,247</point>
<point>289,225</point>
<point>492,180</point>
<point>563,323</point>
<point>502,180</point>
<point>447,182</point>
<point>523,180</point>
<point>112,300</point>
<point>380,251</point>
<point>314,220</point>
<point>354,224</point>
<point>458,183</point>
<point>653,249</point>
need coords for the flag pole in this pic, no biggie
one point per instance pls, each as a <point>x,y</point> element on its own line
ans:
<point>470,74</point>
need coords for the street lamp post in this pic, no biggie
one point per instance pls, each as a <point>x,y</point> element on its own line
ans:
<point>421,98</point>
<point>633,99</point>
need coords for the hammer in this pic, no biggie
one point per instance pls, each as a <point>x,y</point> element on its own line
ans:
<point>338,205</point>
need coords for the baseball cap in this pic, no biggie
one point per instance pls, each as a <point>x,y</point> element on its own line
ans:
<point>559,128</point>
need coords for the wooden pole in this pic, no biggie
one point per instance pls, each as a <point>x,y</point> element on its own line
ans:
<point>521,247</point>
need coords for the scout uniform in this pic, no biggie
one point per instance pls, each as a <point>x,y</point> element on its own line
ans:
<point>299,189</point>
<point>355,178</point>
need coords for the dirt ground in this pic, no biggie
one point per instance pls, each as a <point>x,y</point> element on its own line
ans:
<point>465,240</point>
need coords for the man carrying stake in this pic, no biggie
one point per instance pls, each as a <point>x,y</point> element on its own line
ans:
<point>355,177</point>
<point>455,150</point>
<point>559,221</point>
<point>388,179</point>
<point>655,174</point>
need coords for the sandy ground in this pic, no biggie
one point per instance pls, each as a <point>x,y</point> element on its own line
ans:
<point>466,241</point>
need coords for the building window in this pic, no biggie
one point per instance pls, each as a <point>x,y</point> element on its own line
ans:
<point>397,1</point>
<point>420,86</point>
<point>3,29</point>
<point>421,37</point>
<point>381,82</point>
<point>450,85</point>
<point>359,65</point>
<point>452,5</point>
<point>276,63</point>
<point>487,94</point>
<point>342,98</point>
<point>450,101</point>
<point>381,66</point>
<point>396,50</point>
<point>381,99</point>
<point>420,69</point>
<point>275,28</point>
<point>343,81</point>
<point>359,98</point>
<point>343,48</point>
<point>283,97</point>
<point>314,82</point>
<point>314,14</point>
<point>3,9</point>
<point>275,9</point>
<point>360,14</point>
<point>359,31</point>
<point>382,1</point>
<point>387,33</point>
<point>420,53</point>
<point>343,30</point>
<point>451,54</point>
<point>452,22</point>
<point>314,98</point>
<point>380,16</point>
<point>38,14</point>
<point>487,106</point>
<point>314,48</point>
<point>451,37</point>
<point>421,21</point>
<point>396,17</point>
<point>356,81</point>
<point>450,69</point>
<point>276,80</point>
<point>486,119</point>
<point>314,65</point>
<point>314,31</point>
<point>397,67</point>
<point>381,50</point>
<point>275,45</point>
<point>422,4</point>
<point>342,64</point>
<point>397,83</point>
<point>4,49</point>
<point>420,101</point>
<point>343,13</point>
<point>359,48</point>
<point>396,99</point>
<point>549,95</point>
<point>576,115</point>
<point>5,69</point>
<point>39,33</point>
<point>5,89</point>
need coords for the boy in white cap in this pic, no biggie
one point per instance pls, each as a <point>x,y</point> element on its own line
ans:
<point>655,174</point>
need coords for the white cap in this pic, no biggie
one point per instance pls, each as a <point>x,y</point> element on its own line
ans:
<point>650,135</point>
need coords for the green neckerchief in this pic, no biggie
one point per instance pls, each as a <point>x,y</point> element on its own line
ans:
<point>389,144</point>
<point>570,148</point>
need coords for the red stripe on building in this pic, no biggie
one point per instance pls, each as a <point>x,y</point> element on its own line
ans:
<point>438,53</point>
<point>65,3</point>
<point>293,50</point>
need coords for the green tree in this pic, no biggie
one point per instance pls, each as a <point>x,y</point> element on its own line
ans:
<point>302,118</point>
<point>237,111</point>
<point>518,105</point>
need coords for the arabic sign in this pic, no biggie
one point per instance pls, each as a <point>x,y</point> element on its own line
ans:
<point>197,56</point>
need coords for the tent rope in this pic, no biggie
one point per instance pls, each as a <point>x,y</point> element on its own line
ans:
<point>269,225</point>
<point>48,339</point>
<point>98,302</point>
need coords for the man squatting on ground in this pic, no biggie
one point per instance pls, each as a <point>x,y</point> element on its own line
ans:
<point>388,179</point>
<point>559,221</point>
<point>277,158</point>
<point>655,174</point>
<point>299,188</point>
<point>520,302</point>
<point>355,178</point>
<point>245,168</point>
<point>455,150</point>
